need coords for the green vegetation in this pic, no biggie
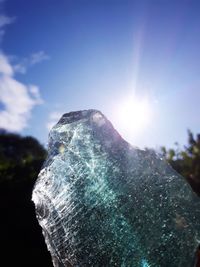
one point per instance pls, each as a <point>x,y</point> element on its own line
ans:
<point>20,157</point>
<point>186,161</point>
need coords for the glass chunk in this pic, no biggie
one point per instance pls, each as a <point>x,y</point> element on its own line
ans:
<point>103,203</point>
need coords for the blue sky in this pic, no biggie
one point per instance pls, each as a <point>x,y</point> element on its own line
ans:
<point>60,56</point>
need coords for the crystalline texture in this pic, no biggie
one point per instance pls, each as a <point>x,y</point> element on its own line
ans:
<point>101,202</point>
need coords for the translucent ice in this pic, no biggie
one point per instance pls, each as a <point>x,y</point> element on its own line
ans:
<point>103,203</point>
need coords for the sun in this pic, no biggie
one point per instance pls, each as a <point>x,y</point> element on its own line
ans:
<point>132,116</point>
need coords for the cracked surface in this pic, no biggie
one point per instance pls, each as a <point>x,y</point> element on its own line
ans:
<point>102,202</point>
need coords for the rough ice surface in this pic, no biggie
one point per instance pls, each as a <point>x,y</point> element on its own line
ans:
<point>103,203</point>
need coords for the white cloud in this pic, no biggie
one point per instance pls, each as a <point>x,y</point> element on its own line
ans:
<point>5,66</point>
<point>34,90</point>
<point>38,57</point>
<point>34,58</point>
<point>53,119</point>
<point>20,67</point>
<point>17,98</point>
<point>5,20</point>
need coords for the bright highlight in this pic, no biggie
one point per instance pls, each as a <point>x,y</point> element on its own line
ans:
<point>132,116</point>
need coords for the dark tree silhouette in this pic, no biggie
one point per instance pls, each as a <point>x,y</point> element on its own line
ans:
<point>186,161</point>
<point>22,243</point>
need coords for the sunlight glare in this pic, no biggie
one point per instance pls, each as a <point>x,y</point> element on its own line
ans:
<point>132,116</point>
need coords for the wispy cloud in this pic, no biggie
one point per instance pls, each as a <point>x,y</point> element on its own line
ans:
<point>17,98</point>
<point>34,90</point>
<point>53,119</point>
<point>38,57</point>
<point>4,21</point>
<point>25,63</point>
